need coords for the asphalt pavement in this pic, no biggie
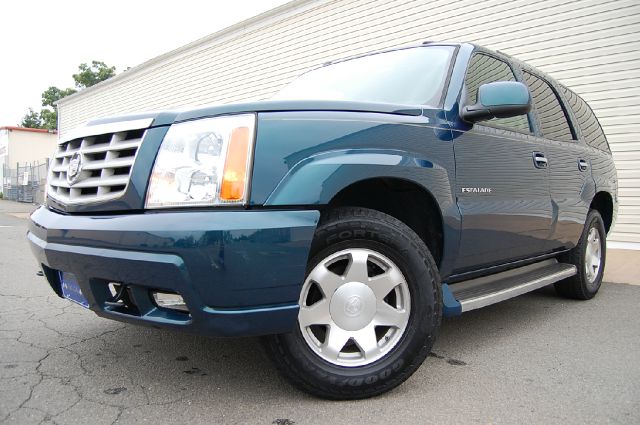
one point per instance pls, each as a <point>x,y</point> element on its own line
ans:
<point>534,359</point>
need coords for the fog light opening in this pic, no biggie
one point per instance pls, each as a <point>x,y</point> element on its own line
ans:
<point>116,290</point>
<point>120,299</point>
<point>170,300</point>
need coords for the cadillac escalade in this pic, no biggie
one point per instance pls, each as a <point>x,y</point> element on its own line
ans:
<point>340,220</point>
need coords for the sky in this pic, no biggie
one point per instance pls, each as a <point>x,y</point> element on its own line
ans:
<point>42,42</point>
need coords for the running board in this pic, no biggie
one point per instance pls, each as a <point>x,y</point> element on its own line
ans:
<point>483,291</point>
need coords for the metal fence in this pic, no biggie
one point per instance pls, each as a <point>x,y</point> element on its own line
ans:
<point>25,183</point>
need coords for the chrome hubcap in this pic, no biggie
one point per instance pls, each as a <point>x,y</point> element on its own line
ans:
<point>354,307</point>
<point>593,255</point>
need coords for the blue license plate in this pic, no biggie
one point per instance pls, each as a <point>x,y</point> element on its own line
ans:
<point>71,290</point>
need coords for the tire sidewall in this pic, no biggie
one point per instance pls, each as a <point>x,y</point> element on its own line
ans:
<point>420,272</point>
<point>594,220</point>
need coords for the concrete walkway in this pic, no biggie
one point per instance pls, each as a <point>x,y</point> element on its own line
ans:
<point>16,207</point>
<point>623,266</point>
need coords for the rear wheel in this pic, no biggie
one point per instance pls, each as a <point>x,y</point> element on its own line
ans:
<point>589,258</point>
<point>370,307</point>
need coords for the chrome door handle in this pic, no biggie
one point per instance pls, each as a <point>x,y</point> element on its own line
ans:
<point>539,160</point>
<point>583,165</point>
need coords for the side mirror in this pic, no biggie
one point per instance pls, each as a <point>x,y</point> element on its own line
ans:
<point>500,99</point>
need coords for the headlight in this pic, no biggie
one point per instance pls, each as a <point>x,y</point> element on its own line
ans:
<point>203,162</point>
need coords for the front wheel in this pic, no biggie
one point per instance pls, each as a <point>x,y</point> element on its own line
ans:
<point>370,308</point>
<point>589,258</point>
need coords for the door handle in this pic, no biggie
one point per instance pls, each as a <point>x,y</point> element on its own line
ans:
<point>583,165</point>
<point>539,160</point>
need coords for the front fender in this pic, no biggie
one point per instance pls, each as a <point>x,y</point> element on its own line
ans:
<point>316,180</point>
<point>307,158</point>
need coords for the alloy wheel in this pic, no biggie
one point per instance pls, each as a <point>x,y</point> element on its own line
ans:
<point>354,307</point>
<point>593,255</point>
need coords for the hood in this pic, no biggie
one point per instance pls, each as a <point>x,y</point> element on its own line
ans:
<point>169,117</point>
<point>299,105</point>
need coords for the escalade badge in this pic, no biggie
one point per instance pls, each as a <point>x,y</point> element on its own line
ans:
<point>75,167</point>
<point>476,190</point>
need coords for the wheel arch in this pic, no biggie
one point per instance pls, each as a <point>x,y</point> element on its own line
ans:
<point>402,199</point>
<point>603,203</point>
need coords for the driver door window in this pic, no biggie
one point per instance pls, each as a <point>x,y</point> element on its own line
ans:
<point>485,69</point>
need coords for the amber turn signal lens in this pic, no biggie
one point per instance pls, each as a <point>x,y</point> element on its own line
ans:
<point>234,177</point>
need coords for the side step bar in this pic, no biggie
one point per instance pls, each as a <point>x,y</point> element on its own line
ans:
<point>483,291</point>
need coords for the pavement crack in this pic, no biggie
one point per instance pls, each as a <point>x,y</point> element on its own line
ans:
<point>118,416</point>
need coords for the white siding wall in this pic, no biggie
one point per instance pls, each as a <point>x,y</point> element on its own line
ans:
<point>592,46</point>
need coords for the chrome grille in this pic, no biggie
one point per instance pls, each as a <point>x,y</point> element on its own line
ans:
<point>104,163</point>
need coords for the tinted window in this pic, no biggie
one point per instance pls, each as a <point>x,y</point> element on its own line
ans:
<point>485,69</point>
<point>591,130</point>
<point>552,117</point>
<point>413,76</point>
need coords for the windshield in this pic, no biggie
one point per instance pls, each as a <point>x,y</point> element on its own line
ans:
<point>414,76</point>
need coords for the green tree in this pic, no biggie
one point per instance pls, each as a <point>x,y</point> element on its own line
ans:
<point>87,76</point>
<point>49,118</point>
<point>31,120</point>
<point>49,112</point>
<point>91,75</point>
<point>53,94</point>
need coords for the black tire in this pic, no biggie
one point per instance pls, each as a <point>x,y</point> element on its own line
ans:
<point>579,286</point>
<point>344,228</point>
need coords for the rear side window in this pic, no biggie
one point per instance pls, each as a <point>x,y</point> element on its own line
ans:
<point>591,130</point>
<point>485,69</point>
<point>551,115</point>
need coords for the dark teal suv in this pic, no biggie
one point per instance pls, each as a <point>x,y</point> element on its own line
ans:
<point>340,220</point>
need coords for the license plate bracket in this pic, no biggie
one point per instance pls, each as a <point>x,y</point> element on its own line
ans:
<point>71,290</point>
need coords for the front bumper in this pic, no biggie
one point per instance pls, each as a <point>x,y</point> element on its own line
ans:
<point>239,272</point>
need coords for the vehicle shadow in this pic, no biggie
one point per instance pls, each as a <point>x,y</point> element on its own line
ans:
<point>165,366</point>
